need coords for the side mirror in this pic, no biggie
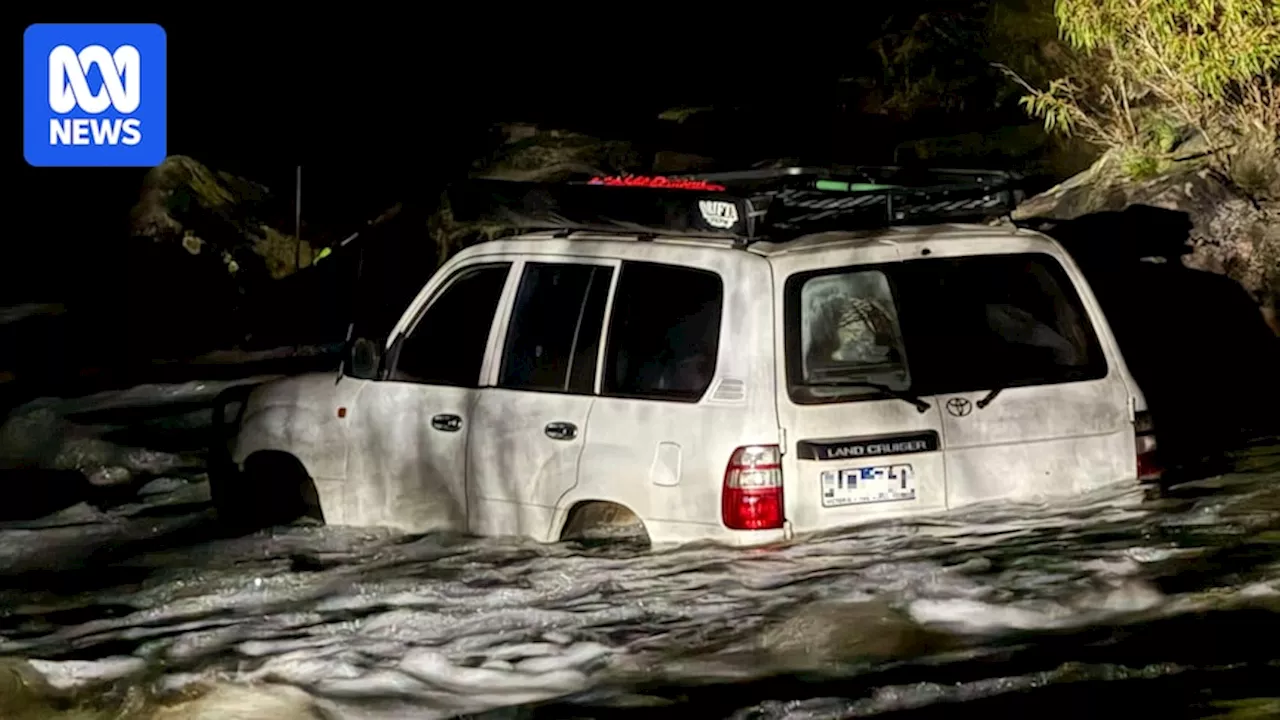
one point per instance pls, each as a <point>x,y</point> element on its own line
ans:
<point>364,359</point>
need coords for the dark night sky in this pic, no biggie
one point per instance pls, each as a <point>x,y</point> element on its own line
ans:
<point>375,104</point>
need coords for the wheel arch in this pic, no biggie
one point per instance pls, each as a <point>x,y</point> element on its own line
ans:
<point>274,483</point>
<point>598,518</point>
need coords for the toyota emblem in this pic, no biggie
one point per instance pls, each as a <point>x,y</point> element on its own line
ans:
<point>959,407</point>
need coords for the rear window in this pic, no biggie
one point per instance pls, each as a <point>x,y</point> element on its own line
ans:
<point>933,326</point>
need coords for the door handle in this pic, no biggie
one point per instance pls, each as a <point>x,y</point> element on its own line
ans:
<point>561,431</point>
<point>447,423</point>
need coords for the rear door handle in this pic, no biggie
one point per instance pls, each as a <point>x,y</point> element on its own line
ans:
<point>561,431</point>
<point>447,423</point>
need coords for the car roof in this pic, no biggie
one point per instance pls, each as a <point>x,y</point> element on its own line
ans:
<point>901,235</point>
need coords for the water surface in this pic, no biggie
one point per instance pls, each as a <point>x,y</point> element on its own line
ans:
<point>1165,602</point>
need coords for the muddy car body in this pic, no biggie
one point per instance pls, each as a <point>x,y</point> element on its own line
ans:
<point>702,388</point>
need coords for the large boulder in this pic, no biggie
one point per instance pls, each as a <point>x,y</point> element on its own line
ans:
<point>530,153</point>
<point>203,242</point>
<point>209,251</point>
<point>1181,264</point>
<point>225,219</point>
<point>1231,234</point>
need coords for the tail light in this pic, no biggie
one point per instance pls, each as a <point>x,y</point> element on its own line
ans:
<point>1144,431</point>
<point>752,494</point>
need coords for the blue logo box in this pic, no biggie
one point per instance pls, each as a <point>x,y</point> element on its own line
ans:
<point>94,94</point>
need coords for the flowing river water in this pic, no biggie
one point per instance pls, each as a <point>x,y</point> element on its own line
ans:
<point>141,608</point>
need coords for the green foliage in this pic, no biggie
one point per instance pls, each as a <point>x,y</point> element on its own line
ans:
<point>1140,165</point>
<point>1200,49</point>
<point>1150,73</point>
<point>1162,134</point>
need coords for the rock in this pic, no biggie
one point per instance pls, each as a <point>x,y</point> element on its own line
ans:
<point>184,493</point>
<point>179,682</point>
<point>1231,234</point>
<point>1212,260</point>
<point>824,632</point>
<point>244,702</point>
<point>80,674</point>
<point>556,637</point>
<point>25,694</point>
<point>110,476</point>
<point>22,312</point>
<point>81,513</point>
<point>534,154</point>
<point>40,438</point>
<point>217,217</point>
<point>32,437</point>
<point>161,486</point>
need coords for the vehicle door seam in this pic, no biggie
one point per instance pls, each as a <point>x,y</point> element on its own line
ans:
<point>577,466</point>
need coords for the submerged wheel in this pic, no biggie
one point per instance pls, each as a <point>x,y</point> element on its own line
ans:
<point>273,489</point>
<point>598,521</point>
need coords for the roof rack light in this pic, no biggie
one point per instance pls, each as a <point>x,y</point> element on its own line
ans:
<point>656,181</point>
<point>842,186</point>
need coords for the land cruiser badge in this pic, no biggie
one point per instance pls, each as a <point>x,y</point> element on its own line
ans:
<point>718,213</point>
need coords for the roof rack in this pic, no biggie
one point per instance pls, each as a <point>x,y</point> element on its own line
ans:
<point>774,204</point>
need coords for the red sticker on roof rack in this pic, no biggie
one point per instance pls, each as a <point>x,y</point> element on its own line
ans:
<point>655,181</point>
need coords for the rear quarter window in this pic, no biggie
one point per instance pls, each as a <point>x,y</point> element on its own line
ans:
<point>664,332</point>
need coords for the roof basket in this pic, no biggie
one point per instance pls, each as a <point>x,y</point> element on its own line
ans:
<point>807,200</point>
<point>765,204</point>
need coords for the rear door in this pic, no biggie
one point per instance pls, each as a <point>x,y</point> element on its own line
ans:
<point>681,386</point>
<point>854,452</point>
<point>528,426</point>
<point>1029,408</point>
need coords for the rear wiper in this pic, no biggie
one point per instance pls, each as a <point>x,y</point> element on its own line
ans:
<point>920,405</point>
<point>986,400</point>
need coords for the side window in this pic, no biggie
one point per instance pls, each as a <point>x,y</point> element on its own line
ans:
<point>554,335</point>
<point>447,343</point>
<point>843,330</point>
<point>664,332</point>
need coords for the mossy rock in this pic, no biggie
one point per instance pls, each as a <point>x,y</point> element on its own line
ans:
<point>25,694</point>
<point>1232,234</point>
<point>217,217</point>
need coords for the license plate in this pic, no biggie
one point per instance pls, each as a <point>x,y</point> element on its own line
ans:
<point>860,486</point>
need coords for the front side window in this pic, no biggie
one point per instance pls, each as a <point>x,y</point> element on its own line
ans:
<point>932,326</point>
<point>664,332</point>
<point>554,336</point>
<point>446,345</point>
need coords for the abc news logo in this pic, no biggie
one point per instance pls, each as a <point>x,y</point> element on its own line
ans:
<point>69,89</point>
<point>94,94</point>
